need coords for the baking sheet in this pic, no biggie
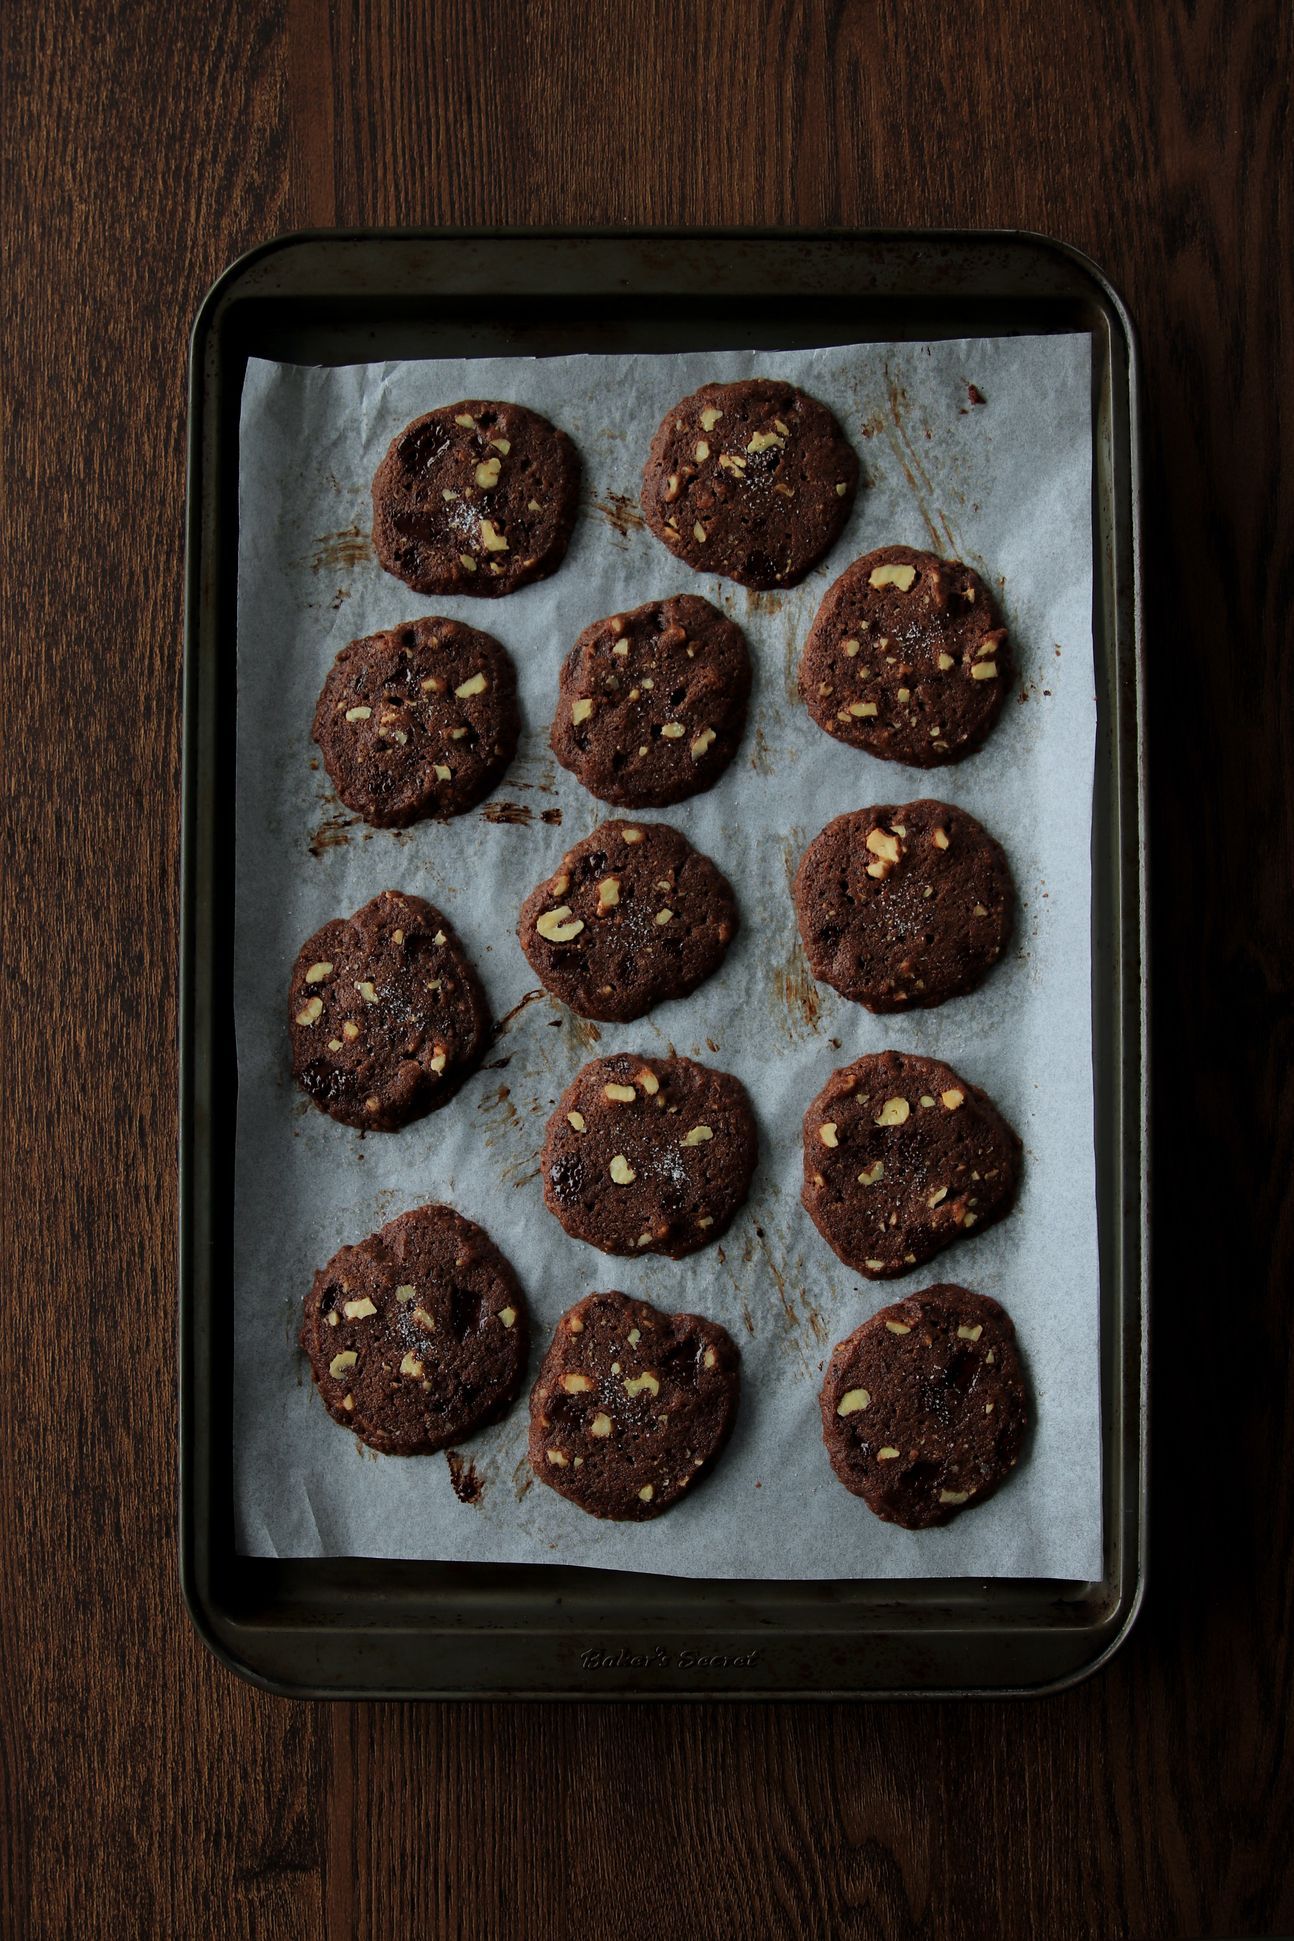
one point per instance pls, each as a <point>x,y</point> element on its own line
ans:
<point>1005,485</point>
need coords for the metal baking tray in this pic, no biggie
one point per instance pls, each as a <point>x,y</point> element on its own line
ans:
<point>355,1627</point>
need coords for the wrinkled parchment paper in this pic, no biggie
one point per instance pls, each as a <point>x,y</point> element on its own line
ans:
<point>1005,485</point>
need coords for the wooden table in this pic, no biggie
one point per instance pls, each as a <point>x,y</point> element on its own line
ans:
<point>145,1790</point>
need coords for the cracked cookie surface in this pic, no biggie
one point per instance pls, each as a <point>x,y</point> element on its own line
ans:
<point>649,1155</point>
<point>903,905</point>
<point>652,702</point>
<point>419,720</point>
<point>753,480</point>
<point>901,1158</point>
<point>476,498</point>
<point>417,1335</point>
<point>632,917</point>
<point>924,1407</point>
<point>386,1014</point>
<point>631,1406</point>
<point>907,658</point>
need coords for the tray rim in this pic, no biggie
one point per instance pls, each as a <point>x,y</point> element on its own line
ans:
<point>220,1630</point>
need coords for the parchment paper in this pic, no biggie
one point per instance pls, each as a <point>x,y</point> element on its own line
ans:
<point>1004,485</point>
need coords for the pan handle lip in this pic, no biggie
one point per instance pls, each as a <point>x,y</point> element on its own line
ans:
<point>242,1664</point>
<point>236,272</point>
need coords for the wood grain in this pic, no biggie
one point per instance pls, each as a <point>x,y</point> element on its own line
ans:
<point>145,1791</point>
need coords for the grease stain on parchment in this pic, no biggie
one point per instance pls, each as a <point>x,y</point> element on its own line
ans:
<point>518,814</point>
<point>509,1017</point>
<point>894,427</point>
<point>796,1004</point>
<point>467,1482</point>
<point>384,1202</point>
<point>351,546</point>
<point>791,645</point>
<point>760,758</point>
<point>760,1262</point>
<point>545,772</point>
<point>817,1325</point>
<point>503,1113</point>
<point>779,1278</point>
<point>794,1001</point>
<point>920,484</point>
<point>332,833</point>
<point>621,513</point>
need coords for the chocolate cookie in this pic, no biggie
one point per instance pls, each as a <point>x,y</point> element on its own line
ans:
<point>631,1406</point>
<point>924,1408</point>
<point>418,1335</point>
<point>633,917</point>
<point>418,721</point>
<point>476,498</point>
<point>387,1015</point>
<point>903,905</point>
<point>754,480</point>
<point>902,1157</point>
<point>649,1155</point>
<point>653,703</point>
<point>907,658</point>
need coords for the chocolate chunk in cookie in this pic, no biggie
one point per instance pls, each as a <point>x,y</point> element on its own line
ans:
<point>418,721</point>
<point>907,658</point>
<point>631,1406</point>
<point>476,498</point>
<point>649,1155</point>
<point>634,916</point>
<point>902,1157</point>
<point>418,1335</point>
<point>754,480</point>
<point>903,905</point>
<point>386,1014</point>
<point>652,703</point>
<point>924,1408</point>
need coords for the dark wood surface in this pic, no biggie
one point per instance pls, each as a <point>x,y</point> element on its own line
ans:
<point>145,1790</point>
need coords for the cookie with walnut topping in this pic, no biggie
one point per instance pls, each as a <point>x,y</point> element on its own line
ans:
<point>649,1155</point>
<point>924,1410</point>
<point>903,905</point>
<point>386,1013</point>
<point>901,1158</point>
<point>652,703</point>
<point>477,497</point>
<point>907,658</point>
<point>631,1406</point>
<point>418,1335</point>
<point>754,480</point>
<point>420,720</point>
<point>633,917</point>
